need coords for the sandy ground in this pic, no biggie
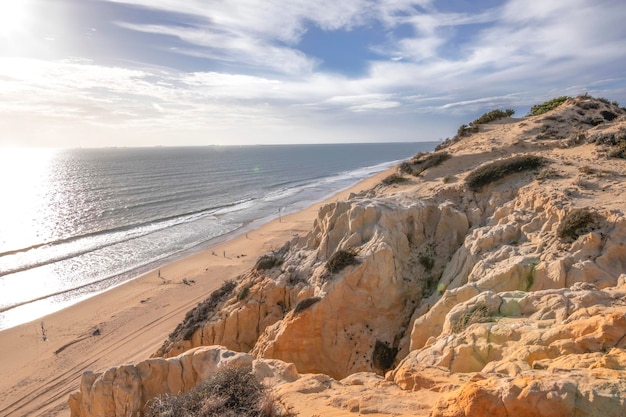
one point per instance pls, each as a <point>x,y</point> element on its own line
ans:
<point>132,320</point>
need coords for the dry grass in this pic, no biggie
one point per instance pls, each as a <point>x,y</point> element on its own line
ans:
<point>341,259</point>
<point>421,162</point>
<point>575,223</point>
<point>229,392</point>
<point>203,312</point>
<point>480,314</point>
<point>497,170</point>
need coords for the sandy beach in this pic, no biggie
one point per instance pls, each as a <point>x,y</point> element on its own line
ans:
<point>128,323</point>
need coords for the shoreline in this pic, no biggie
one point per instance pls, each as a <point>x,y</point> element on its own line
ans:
<point>42,360</point>
<point>36,309</point>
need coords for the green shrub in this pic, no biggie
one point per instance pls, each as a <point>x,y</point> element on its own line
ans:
<point>394,179</point>
<point>244,292</point>
<point>494,171</point>
<point>542,108</point>
<point>575,223</point>
<point>230,392</point>
<point>493,115</point>
<point>427,261</point>
<point>421,162</point>
<point>202,312</point>
<point>267,262</point>
<point>341,259</point>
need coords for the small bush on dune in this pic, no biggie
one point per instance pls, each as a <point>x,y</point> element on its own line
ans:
<point>202,312</point>
<point>306,303</point>
<point>494,171</point>
<point>267,262</point>
<point>619,150</point>
<point>480,314</point>
<point>492,116</point>
<point>394,179</point>
<point>575,223</point>
<point>421,162</point>
<point>542,108</point>
<point>230,392</point>
<point>341,259</point>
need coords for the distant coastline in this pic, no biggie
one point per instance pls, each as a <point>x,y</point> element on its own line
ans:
<point>75,267</point>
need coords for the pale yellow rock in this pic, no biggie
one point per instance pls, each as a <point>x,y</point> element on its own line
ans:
<point>491,312</point>
<point>124,390</point>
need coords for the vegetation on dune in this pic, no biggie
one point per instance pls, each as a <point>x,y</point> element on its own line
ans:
<point>542,108</point>
<point>202,312</point>
<point>341,259</point>
<point>466,130</point>
<point>230,392</point>
<point>575,223</point>
<point>306,303</point>
<point>493,115</point>
<point>267,262</point>
<point>615,142</point>
<point>423,161</point>
<point>489,173</point>
<point>480,314</point>
<point>394,179</point>
<point>618,150</point>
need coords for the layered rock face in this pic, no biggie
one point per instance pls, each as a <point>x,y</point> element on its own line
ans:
<point>125,390</point>
<point>508,300</point>
<point>402,250</point>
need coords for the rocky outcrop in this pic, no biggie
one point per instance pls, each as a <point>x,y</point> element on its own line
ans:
<point>506,301</point>
<point>125,390</point>
<point>401,251</point>
<point>564,392</point>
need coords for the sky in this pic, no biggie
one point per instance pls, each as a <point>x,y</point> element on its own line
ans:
<point>99,73</point>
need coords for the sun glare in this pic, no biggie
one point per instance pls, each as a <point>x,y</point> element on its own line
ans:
<point>13,16</point>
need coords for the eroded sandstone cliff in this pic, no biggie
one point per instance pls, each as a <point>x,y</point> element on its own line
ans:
<point>508,299</point>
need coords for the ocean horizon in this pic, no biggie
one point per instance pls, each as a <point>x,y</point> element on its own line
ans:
<point>77,222</point>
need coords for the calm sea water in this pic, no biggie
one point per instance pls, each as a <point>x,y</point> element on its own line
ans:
<point>77,222</point>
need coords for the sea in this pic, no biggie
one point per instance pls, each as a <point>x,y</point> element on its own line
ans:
<point>74,223</point>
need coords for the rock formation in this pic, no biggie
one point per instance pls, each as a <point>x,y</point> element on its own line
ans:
<point>507,300</point>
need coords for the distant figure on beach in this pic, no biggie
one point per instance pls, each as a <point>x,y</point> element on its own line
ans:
<point>159,273</point>
<point>224,254</point>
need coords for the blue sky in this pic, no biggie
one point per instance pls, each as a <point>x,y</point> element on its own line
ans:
<point>199,72</point>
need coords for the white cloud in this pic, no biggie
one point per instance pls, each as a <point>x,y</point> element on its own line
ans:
<point>512,55</point>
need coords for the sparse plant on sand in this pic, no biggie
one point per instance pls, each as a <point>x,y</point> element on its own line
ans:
<point>244,292</point>
<point>491,172</point>
<point>421,162</point>
<point>202,312</point>
<point>232,391</point>
<point>491,116</point>
<point>394,179</point>
<point>545,107</point>
<point>575,223</point>
<point>480,314</point>
<point>341,259</point>
<point>267,262</point>
<point>306,303</point>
